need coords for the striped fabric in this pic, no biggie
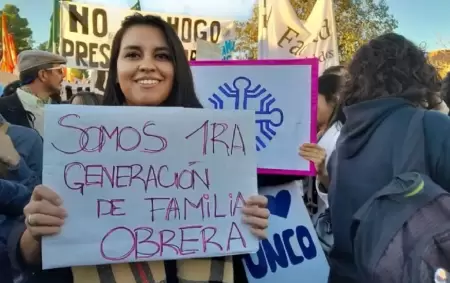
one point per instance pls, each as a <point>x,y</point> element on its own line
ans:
<point>209,270</point>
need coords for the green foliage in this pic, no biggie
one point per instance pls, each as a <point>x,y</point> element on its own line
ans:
<point>43,46</point>
<point>79,73</point>
<point>357,21</point>
<point>18,27</point>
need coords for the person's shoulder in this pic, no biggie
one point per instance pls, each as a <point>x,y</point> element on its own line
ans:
<point>9,100</point>
<point>437,121</point>
<point>436,128</point>
<point>24,133</point>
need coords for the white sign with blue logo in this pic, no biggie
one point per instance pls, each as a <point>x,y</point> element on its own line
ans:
<point>292,252</point>
<point>283,94</point>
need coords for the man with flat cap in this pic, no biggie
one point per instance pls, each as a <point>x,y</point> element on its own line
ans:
<point>41,74</point>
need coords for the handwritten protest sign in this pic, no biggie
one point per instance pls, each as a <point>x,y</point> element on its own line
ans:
<point>292,252</point>
<point>143,184</point>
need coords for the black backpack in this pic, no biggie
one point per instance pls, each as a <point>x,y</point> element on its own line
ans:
<point>402,233</point>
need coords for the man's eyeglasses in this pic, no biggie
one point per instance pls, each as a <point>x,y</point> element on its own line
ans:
<point>60,68</point>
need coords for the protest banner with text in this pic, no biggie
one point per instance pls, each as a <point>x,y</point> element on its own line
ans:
<point>87,32</point>
<point>143,184</point>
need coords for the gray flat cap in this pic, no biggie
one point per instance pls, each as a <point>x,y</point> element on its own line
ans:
<point>34,58</point>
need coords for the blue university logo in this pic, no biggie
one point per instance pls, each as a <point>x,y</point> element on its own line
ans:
<point>244,95</point>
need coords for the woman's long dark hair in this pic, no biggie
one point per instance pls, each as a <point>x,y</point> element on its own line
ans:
<point>337,115</point>
<point>183,92</point>
<point>88,98</point>
<point>330,84</point>
<point>391,66</point>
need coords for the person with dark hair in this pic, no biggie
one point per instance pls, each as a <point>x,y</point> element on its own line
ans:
<point>148,68</point>
<point>41,75</point>
<point>69,92</point>
<point>327,132</point>
<point>389,81</point>
<point>335,70</point>
<point>86,98</point>
<point>329,85</point>
<point>445,89</point>
<point>169,70</point>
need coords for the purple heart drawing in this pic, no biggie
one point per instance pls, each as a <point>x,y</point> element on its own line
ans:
<point>279,205</point>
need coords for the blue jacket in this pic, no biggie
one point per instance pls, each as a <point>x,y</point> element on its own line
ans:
<point>363,163</point>
<point>16,189</point>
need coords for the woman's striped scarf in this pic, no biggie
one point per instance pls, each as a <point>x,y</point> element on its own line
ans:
<point>208,270</point>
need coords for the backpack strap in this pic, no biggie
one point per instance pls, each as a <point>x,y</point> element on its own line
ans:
<point>410,159</point>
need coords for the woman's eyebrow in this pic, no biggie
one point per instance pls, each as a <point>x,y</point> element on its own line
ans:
<point>132,47</point>
<point>162,48</point>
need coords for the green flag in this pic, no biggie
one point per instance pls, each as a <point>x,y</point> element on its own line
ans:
<point>55,27</point>
<point>137,6</point>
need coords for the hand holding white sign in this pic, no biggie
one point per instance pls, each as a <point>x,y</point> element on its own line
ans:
<point>154,185</point>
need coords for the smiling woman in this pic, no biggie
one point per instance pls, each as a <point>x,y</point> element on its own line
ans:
<point>145,70</point>
<point>149,67</point>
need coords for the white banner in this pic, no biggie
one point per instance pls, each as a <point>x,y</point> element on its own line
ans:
<point>276,18</point>
<point>87,32</point>
<point>285,36</point>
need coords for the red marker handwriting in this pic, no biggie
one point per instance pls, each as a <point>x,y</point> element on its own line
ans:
<point>95,138</point>
<point>79,176</point>
<point>169,242</point>
<point>216,137</point>
<point>110,207</point>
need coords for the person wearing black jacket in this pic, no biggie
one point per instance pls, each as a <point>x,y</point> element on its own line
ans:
<point>41,75</point>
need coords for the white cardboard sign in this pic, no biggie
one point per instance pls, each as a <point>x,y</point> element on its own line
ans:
<point>143,184</point>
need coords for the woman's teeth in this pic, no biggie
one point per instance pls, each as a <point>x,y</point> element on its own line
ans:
<point>148,82</point>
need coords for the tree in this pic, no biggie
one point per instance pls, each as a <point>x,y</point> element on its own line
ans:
<point>18,27</point>
<point>79,73</point>
<point>357,21</point>
<point>43,46</point>
<point>440,59</point>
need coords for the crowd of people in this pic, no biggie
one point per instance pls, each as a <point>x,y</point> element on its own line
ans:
<point>365,113</point>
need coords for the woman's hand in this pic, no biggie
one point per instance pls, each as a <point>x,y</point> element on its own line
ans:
<point>256,215</point>
<point>8,153</point>
<point>316,154</point>
<point>44,214</point>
